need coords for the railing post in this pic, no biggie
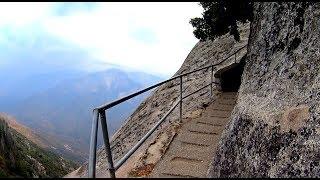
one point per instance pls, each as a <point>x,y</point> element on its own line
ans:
<point>211,91</point>
<point>104,127</point>
<point>235,57</point>
<point>180,98</point>
<point>93,146</point>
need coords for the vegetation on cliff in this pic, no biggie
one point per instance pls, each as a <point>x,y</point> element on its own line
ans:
<point>220,18</point>
<point>19,157</point>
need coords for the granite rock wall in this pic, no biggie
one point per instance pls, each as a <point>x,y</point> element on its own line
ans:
<point>274,129</point>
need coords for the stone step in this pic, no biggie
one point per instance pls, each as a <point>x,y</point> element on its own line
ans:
<point>194,144</point>
<point>185,167</point>
<point>224,103</point>
<point>228,97</point>
<point>219,113</point>
<point>215,121</point>
<point>202,128</point>
<point>184,150</point>
<point>190,154</point>
<point>227,101</point>
<point>222,107</point>
<point>196,138</point>
<point>209,123</point>
<point>192,151</point>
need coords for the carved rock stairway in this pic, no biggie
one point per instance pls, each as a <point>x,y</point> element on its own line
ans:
<point>191,151</point>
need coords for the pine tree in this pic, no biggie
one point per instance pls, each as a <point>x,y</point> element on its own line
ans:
<point>220,18</point>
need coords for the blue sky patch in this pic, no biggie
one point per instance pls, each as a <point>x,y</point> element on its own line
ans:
<point>66,8</point>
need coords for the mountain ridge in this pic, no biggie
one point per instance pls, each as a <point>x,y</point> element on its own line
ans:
<point>62,114</point>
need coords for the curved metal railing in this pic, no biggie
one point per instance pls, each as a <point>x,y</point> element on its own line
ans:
<point>101,112</point>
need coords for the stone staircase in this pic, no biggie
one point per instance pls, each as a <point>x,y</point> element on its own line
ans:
<point>191,151</point>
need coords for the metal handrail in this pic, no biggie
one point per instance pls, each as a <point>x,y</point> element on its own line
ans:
<point>101,112</point>
<point>116,102</point>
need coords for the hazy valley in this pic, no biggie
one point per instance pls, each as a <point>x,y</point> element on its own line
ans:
<point>61,114</point>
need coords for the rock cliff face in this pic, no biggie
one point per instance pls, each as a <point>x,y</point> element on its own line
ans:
<point>20,157</point>
<point>275,127</point>
<point>155,106</point>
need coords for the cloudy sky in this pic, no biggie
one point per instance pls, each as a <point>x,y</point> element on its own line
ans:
<point>151,37</point>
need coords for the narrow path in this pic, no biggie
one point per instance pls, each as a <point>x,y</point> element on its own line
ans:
<point>191,151</point>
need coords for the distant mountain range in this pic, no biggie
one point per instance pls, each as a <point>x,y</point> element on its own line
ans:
<point>62,112</point>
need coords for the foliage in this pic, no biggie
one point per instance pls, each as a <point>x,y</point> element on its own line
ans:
<point>220,18</point>
<point>20,157</point>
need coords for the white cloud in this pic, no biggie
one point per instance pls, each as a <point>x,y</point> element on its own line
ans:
<point>106,31</point>
<point>23,13</point>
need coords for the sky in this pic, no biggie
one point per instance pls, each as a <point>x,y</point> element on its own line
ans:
<point>150,37</point>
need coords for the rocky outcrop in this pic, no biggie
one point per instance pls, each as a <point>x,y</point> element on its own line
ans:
<point>274,129</point>
<point>161,100</point>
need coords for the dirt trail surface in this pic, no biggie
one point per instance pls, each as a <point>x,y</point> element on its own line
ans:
<point>190,152</point>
